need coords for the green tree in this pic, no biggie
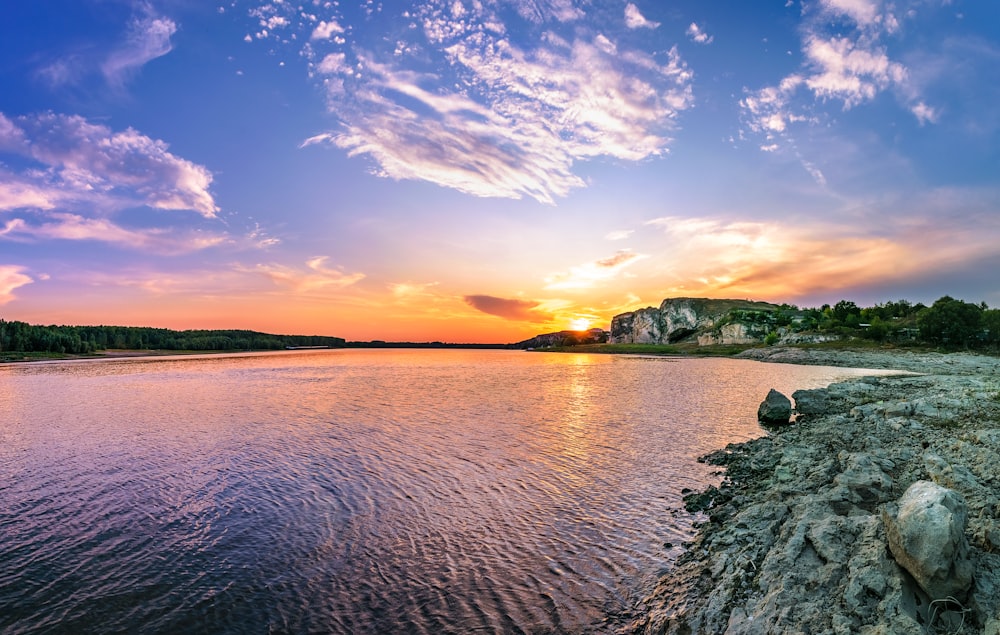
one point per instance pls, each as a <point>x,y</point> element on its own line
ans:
<point>951,323</point>
<point>991,325</point>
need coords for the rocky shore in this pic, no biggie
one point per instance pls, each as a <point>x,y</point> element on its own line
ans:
<point>876,512</point>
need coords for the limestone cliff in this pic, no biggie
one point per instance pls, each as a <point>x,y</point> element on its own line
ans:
<point>676,319</point>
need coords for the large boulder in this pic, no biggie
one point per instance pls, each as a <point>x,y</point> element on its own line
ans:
<point>775,410</point>
<point>926,532</point>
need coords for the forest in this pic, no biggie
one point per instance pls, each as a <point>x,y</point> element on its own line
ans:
<point>21,337</point>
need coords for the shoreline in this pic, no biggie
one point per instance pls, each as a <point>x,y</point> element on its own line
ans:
<point>795,538</point>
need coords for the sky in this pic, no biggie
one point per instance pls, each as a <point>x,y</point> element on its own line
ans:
<point>487,170</point>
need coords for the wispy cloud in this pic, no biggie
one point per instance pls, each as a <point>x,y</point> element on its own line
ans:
<point>148,38</point>
<point>714,257</point>
<point>510,309</point>
<point>590,274</point>
<point>81,165</point>
<point>63,226</point>
<point>459,104</point>
<point>12,277</point>
<point>621,234</point>
<point>698,35</point>
<point>315,277</point>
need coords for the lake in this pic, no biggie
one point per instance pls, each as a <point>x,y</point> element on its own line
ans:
<point>357,491</point>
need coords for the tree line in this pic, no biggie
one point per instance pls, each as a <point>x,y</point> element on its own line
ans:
<point>948,323</point>
<point>23,338</point>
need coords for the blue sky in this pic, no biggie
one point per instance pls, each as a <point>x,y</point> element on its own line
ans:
<point>485,170</point>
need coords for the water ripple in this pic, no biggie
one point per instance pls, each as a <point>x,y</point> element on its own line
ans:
<point>356,491</point>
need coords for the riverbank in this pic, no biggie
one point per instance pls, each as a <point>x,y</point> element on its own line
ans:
<point>795,538</point>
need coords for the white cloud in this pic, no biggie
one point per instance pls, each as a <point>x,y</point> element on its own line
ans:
<point>848,71</point>
<point>19,195</point>
<point>545,110</point>
<point>863,12</point>
<point>697,35</point>
<point>924,113</point>
<point>635,20</point>
<point>454,102</point>
<point>11,277</point>
<point>324,30</point>
<point>841,63</point>
<point>81,165</point>
<point>148,39</point>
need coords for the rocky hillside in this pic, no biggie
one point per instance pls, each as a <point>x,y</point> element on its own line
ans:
<point>711,321</point>
<point>565,338</point>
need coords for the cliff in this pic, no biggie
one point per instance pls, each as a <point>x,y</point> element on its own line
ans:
<point>713,321</point>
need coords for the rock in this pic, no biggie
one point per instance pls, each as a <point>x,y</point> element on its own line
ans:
<point>811,402</point>
<point>776,409</point>
<point>926,532</point>
<point>679,318</point>
<point>565,338</point>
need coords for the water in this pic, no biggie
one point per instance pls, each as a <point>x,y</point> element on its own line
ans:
<point>357,491</point>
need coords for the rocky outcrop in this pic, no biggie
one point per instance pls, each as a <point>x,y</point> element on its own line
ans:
<point>565,338</point>
<point>798,538</point>
<point>644,326</point>
<point>679,318</point>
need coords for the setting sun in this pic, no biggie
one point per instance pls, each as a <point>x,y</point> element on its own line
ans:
<point>580,324</point>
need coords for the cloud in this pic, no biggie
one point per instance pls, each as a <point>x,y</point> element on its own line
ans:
<point>148,38</point>
<point>63,226</point>
<point>412,290</point>
<point>697,35</point>
<point>20,195</point>
<point>315,277</point>
<point>324,30</point>
<point>848,70</point>
<point>510,309</point>
<point>621,234</point>
<point>589,274</point>
<point>635,20</point>
<point>716,258</point>
<point>539,11</point>
<point>11,277</point>
<point>79,165</point>
<point>459,104</point>
<point>924,113</point>
<point>844,61</point>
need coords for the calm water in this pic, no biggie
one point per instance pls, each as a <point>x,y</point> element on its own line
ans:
<point>356,491</point>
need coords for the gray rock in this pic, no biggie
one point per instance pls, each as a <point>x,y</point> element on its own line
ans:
<point>811,402</point>
<point>776,409</point>
<point>926,532</point>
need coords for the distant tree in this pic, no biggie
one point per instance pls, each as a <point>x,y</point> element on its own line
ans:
<point>991,325</point>
<point>844,309</point>
<point>951,323</point>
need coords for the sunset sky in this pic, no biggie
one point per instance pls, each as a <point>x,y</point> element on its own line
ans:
<point>485,170</point>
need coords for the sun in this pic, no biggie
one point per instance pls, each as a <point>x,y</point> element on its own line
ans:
<point>579,324</point>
